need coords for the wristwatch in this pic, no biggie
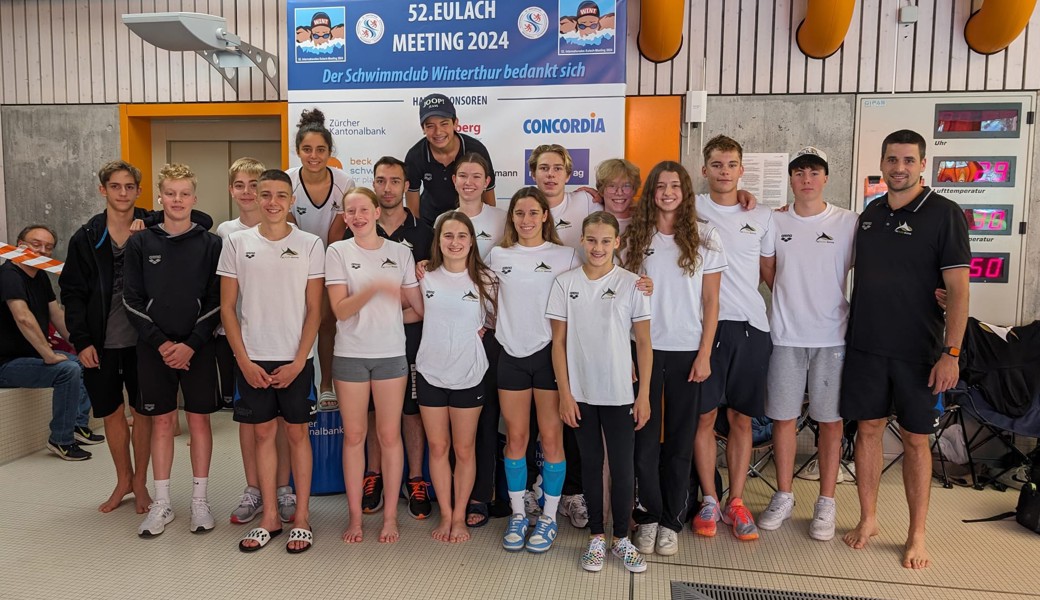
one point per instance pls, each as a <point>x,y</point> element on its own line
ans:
<point>953,351</point>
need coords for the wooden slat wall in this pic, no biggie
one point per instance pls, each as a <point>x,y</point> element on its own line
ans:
<point>748,47</point>
<point>729,47</point>
<point>92,58</point>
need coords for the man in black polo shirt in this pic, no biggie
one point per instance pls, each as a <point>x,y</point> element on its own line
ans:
<point>27,360</point>
<point>430,163</point>
<point>397,223</point>
<point>901,352</point>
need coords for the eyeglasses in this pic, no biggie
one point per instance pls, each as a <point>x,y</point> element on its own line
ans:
<point>320,36</point>
<point>627,187</point>
<point>592,26</point>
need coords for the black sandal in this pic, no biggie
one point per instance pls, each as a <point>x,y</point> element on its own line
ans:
<point>477,508</point>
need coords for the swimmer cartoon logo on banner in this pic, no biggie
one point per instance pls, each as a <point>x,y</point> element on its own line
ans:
<point>319,35</point>
<point>374,44</point>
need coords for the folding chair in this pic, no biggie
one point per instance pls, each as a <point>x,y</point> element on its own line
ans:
<point>993,425</point>
<point>806,422</point>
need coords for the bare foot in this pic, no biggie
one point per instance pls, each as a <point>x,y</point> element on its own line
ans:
<point>389,534</point>
<point>443,531</point>
<point>142,498</point>
<point>353,534</point>
<point>915,556</point>
<point>299,544</point>
<point>459,532</point>
<point>857,538</point>
<point>113,502</point>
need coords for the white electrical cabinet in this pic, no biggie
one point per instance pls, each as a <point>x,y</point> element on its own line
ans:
<point>979,155</point>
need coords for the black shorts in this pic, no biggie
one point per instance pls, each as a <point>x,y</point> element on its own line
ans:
<point>227,369</point>
<point>159,383</point>
<point>739,369</point>
<point>117,370</point>
<point>297,403</point>
<point>874,387</point>
<point>431,396</point>
<point>519,374</point>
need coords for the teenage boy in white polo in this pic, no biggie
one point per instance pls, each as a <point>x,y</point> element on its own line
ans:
<point>808,321</point>
<point>278,272</point>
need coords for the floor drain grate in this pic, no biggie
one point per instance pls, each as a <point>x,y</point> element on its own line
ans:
<point>703,591</point>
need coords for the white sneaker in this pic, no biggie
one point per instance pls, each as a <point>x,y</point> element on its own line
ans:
<point>812,472</point>
<point>847,466</point>
<point>667,542</point>
<point>822,525</point>
<point>531,507</point>
<point>778,511</point>
<point>201,517</point>
<point>631,558</point>
<point>159,514</point>
<point>645,538</point>
<point>573,506</point>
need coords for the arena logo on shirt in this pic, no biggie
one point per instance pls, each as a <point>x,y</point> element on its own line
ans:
<point>648,251</point>
<point>786,237</point>
<point>574,295</point>
<point>429,293</point>
<point>301,210</point>
<point>355,265</point>
<point>250,254</point>
<point>507,270</point>
<point>155,259</point>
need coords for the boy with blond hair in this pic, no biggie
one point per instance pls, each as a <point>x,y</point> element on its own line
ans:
<point>172,297</point>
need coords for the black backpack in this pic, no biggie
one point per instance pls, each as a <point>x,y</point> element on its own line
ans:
<point>1027,512</point>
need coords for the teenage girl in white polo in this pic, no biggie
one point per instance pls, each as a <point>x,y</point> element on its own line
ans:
<point>458,297</point>
<point>526,263</point>
<point>367,277</point>
<point>594,310</point>
<point>318,208</point>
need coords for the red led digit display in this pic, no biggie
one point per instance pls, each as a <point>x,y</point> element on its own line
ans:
<point>989,268</point>
<point>986,219</point>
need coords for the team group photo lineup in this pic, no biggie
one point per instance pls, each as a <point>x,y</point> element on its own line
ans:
<point>614,336</point>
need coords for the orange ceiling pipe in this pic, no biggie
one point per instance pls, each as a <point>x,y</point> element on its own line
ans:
<point>823,30</point>
<point>660,29</point>
<point>994,26</point>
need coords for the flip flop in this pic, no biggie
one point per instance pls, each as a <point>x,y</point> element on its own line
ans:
<point>298,534</point>
<point>479,508</point>
<point>259,535</point>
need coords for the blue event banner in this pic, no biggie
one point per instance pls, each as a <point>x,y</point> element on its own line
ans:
<point>385,44</point>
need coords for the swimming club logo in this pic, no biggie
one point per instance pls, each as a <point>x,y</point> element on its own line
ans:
<point>823,238</point>
<point>483,235</point>
<point>320,35</point>
<point>904,229</point>
<point>407,244</point>
<point>561,224</point>
<point>290,253</point>
<point>608,295</point>
<point>370,28</point>
<point>533,22</point>
<point>470,297</point>
<point>389,264</point>
<point>542,268</point>
<point>587,27</point>
<point>747,228</point>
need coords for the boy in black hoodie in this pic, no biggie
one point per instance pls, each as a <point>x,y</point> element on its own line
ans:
<point>172,296</point>
<point>92,293</point>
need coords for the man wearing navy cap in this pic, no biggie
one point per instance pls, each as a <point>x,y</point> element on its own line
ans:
<point>430,163</point>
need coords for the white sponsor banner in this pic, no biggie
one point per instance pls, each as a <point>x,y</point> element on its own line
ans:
<point>588,120</point>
